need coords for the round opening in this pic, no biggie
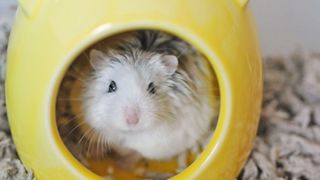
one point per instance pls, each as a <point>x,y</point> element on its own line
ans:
<point>141,103</point>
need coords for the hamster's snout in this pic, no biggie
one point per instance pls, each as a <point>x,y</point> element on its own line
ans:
<point>132,115</point>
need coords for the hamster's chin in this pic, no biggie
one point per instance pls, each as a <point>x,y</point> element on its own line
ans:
<point>132,128</point>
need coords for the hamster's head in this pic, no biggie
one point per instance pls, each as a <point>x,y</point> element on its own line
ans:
<point>129,91</point>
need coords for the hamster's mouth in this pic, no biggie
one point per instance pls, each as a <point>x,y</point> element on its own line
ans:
<point>133,129</point>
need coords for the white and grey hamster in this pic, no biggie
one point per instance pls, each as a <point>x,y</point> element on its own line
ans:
<point>150,93</point>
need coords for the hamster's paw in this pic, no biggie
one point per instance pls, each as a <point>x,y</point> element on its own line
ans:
<point>182,161</point>
<point>129,161</point>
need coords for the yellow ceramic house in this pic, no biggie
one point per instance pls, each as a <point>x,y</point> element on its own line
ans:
<point>49,34</point>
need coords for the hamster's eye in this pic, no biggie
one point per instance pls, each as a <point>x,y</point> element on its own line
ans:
<point>112,87</point>
<point>151,88</point>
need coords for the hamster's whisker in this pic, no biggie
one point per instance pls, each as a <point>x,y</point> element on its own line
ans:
<point>68,120</point>
<point>99,145</point>
<point>76,127</point>
<point>108,144</point>
<point>76,116</point>
<point>88,142</point>
<point>84,135</point>
<point>105,143</point>
<point>91,140</point>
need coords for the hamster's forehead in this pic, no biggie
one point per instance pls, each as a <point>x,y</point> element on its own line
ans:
<point>125,71</point>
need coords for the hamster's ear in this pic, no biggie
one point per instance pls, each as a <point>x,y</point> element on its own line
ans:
<point>170,63</point>
<point>97,58</point>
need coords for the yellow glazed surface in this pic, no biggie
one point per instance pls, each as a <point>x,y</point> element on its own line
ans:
<point>49,34</point>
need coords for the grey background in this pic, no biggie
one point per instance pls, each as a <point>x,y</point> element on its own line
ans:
<point>287,25</point>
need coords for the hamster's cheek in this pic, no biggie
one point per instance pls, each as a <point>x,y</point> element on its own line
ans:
<point>97,117</point>
<point>115,113</point>
<point>99,112</point>
<point>148,115</point>
<point>117,120</point>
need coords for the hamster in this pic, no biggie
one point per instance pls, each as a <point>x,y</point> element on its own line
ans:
<point>150,93</point>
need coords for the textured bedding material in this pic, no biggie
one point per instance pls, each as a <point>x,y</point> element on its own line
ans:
<point>288,140</point>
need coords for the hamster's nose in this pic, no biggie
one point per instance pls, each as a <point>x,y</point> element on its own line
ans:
<point>132,117</point>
